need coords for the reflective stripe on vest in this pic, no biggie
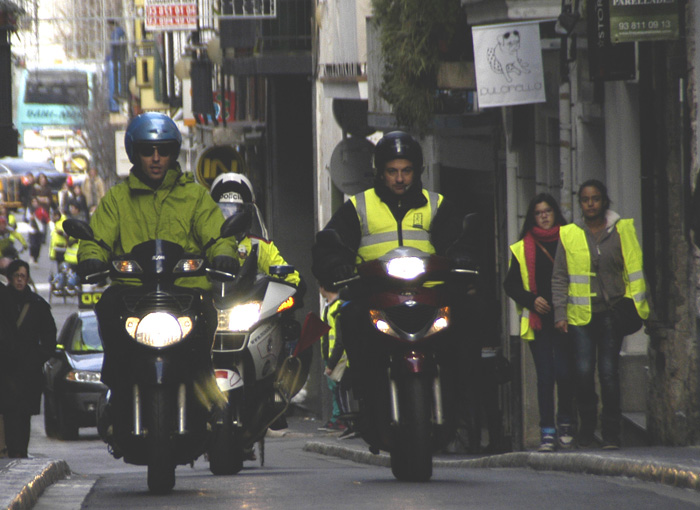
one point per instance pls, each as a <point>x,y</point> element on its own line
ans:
<point>380,230</point>
<point>578,259</point>
<point>526,332</point>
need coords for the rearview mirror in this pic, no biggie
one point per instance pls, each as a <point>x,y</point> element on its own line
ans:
<point>78,229</point>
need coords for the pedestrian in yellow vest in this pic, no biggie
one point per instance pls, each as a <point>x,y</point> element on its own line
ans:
<point>598,263</point>
<point>334,359</point>
<point>529,284</point>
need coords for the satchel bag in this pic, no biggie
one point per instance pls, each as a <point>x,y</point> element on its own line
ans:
<point>626,320</point>
<point>339,370</point>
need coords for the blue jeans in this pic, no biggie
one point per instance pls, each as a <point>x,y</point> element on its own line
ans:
<point>597,339</point>
<point>552,354</point>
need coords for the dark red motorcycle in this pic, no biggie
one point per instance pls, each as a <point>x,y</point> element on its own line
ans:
<point>403,353</point>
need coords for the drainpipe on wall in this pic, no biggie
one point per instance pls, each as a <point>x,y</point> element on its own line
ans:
<point>565,26</point>
<point>565,160</point>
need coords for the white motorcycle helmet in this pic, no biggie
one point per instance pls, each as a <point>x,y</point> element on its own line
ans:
<point>234,194</point>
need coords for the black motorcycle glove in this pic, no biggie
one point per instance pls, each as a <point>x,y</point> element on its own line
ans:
<point>225,264</point>
<point>90,266</point>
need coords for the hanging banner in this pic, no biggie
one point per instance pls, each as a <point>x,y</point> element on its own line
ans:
<point>643,20</point>
<point>508,64</point>
<point>170,15</point>
<point>607,61</point>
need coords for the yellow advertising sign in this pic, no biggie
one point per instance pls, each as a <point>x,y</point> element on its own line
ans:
<point>218,160</point>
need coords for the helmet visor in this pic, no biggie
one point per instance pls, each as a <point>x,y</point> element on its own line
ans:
<point>232,208</point>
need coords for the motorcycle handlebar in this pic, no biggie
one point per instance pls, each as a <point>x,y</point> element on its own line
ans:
<point>466,271</point>
<point>220,275</point>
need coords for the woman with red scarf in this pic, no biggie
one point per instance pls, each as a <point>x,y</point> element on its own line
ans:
<point>529,284</point>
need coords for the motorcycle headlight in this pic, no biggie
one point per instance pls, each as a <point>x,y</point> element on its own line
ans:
<point>188,265</point>
<point>379,321</point>
<point>127,266</point>
<point>83,376</point>
<point>158,329</point>
<point>240,317</point>
<point>441,321</point>
<point>405,268</point>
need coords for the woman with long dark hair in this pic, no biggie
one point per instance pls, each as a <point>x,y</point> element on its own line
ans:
<point>528,283</point>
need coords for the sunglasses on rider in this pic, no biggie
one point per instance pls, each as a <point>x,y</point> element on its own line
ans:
<point>164,150</point>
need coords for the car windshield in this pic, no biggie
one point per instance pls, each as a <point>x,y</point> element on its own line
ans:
<point>86,336</point>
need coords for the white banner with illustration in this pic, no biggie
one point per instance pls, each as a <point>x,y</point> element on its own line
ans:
<point>508,62</point>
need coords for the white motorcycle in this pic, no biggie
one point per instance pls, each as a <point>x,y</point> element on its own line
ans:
<point>253,368</point>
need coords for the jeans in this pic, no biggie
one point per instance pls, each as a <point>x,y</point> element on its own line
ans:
<point>598,339</point>
<point>552,354</point>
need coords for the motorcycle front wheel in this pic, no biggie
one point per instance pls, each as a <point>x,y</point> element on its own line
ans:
<point>161,466</point>
<point>225,452</point>
<point>412,455</point>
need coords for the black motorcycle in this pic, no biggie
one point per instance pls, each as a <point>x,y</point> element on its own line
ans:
<point>164,398</point>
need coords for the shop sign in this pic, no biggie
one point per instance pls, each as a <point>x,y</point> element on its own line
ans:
<point>217,160</point>
<point>607,61</point>
<point>643,20</point>
<point>508,64</point>
<point>170,15</point>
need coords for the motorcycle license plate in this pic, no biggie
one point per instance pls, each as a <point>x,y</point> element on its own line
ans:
<point>228,380</point>
<point>89,299</point>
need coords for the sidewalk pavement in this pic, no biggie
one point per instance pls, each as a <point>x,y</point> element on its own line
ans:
<point>23,480</point>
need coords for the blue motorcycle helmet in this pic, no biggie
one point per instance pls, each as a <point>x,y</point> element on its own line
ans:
<point>151,128</point>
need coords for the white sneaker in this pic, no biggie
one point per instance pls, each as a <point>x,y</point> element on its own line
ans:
<point>566,438</point>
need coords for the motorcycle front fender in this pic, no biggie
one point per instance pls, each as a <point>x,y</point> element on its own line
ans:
<point>228,380</point>
<point>414,362</point>
<point>292,375</point>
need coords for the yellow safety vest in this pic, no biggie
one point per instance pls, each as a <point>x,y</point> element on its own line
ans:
<point>526,332</point>
<point>71,255</point>
<point>57,241</point>
<point>330,317</point>
<point>380,230</point>
<point>578,260</point>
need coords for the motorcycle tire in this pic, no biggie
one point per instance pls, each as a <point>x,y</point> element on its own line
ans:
<point>225,451</point>
<point>161,466</point>
<point>412,455</point>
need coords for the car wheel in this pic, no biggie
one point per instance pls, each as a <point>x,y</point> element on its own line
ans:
<point>67,425</point>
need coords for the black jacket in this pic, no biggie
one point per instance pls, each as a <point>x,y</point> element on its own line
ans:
<point>24,350</point>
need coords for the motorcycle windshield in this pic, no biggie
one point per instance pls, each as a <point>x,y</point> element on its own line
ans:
<point>156,257</point>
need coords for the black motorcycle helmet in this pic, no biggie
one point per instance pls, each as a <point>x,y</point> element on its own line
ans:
<point>398,145</point>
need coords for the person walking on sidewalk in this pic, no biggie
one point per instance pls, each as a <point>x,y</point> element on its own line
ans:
<point>597,266</point>
<point>334,359</point>
<point>528,283</point>
<point>27,341</point>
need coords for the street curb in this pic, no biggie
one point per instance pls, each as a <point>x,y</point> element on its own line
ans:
<point>22,481</point>
<point>586,463</point>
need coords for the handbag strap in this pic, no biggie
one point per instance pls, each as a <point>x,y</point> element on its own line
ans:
<point>544,250</point>
<point>22,315</point>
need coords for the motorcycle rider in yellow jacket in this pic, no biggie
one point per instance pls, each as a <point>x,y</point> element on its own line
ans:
<point>156,201</point>
<point>234,194</point>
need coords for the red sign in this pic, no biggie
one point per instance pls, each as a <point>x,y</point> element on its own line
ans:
<point>228,111</point>
<point>170,15</point>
